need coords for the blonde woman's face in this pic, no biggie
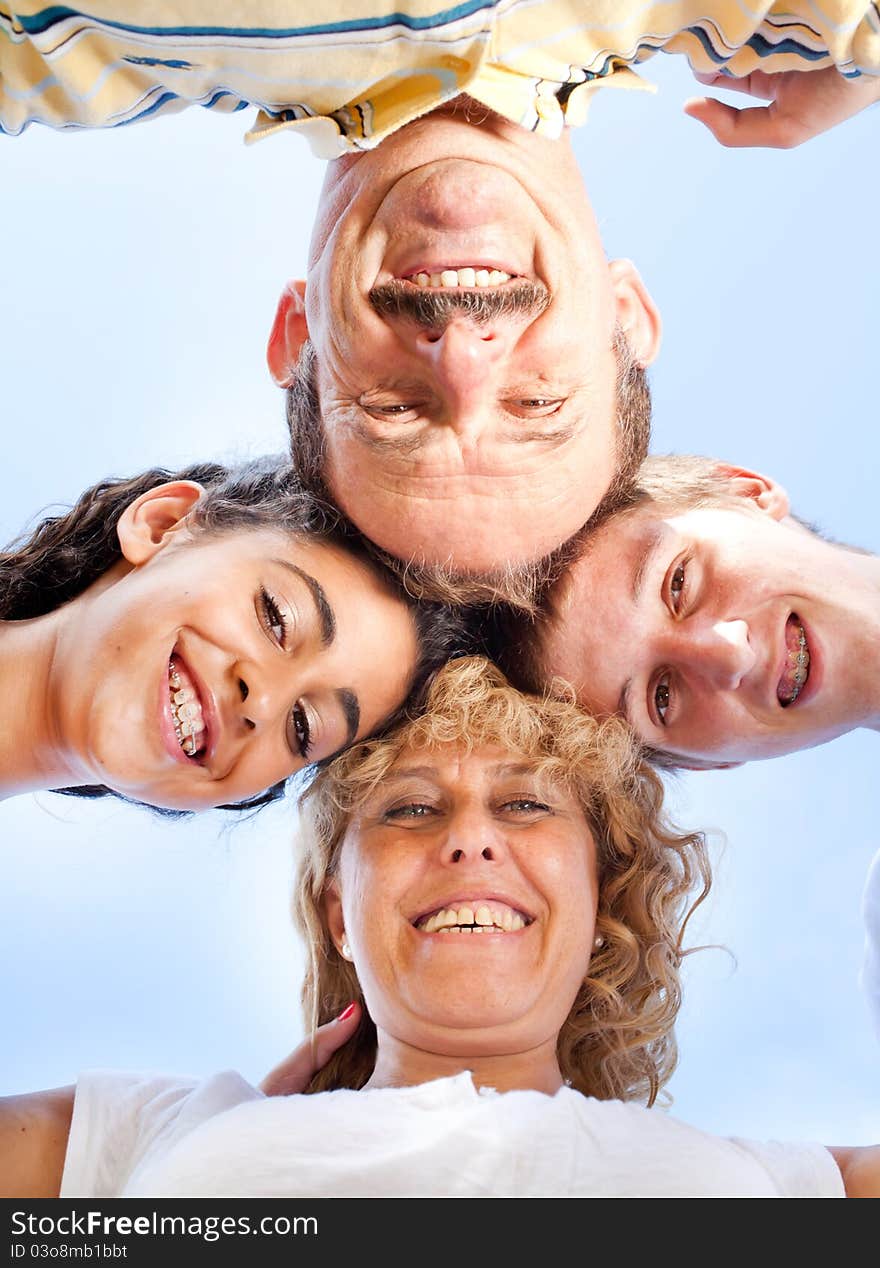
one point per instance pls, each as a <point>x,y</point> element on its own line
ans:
<point>467,890</point>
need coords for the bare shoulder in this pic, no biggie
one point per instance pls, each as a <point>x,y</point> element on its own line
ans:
<point>33,1140</point>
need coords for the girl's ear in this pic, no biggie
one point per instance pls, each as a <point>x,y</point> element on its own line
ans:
<point>146,524</point>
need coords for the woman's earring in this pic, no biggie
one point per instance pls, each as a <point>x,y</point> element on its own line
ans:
<point>598,942</point>
<point>346,951</point>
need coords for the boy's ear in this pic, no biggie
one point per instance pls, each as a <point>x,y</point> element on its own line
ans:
<point>764,491</point>
<point>147,523</point>
<point>288,334</point>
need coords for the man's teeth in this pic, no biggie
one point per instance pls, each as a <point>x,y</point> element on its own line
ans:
<point>186,713</point>
<point>461,277</point>
<point>484,918</point>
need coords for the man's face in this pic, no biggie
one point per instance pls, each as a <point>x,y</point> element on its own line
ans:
<point>722,633</point>
<point>463,314</point>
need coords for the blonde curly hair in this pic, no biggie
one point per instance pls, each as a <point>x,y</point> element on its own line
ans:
<point>618,1039</point>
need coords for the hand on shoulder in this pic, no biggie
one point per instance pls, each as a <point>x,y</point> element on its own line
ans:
<point>801,104</point>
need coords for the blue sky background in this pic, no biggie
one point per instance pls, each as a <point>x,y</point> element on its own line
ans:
<point>140,271</point>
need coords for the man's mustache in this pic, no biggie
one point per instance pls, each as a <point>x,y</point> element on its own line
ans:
<point>435,309</point>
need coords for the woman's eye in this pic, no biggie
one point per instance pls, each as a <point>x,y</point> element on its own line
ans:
<point>662,699</point>
<point>676,587</point>
<point>413,810</point>
<point>273,618</point>
<point>526,805</point>
<point>302,731</point>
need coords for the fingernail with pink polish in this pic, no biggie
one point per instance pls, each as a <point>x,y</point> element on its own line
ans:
<point>346,1013</point>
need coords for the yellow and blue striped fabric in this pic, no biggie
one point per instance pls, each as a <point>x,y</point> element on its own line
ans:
<point>346,73</point>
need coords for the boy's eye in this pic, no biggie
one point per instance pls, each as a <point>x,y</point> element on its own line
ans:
<point>662,698</point>
<point>676,586</point>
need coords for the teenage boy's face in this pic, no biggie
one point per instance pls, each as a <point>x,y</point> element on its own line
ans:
<point>722,634</point>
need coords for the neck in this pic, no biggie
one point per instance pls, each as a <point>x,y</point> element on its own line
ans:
<point>399,1064</point>
<point>33,756</point>
<point>862,570</point>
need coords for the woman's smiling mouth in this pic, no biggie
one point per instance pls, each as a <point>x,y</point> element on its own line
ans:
<point>474,916</point>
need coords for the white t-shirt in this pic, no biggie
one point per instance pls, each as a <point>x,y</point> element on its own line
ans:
<point>871,964</point>
<point>156,1136</point>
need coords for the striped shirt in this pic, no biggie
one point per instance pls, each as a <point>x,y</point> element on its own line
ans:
<point>346,73</point>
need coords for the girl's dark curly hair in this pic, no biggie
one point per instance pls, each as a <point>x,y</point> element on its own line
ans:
<point>66,553</point>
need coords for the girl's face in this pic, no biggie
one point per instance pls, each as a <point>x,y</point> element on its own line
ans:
<point>203,670</point>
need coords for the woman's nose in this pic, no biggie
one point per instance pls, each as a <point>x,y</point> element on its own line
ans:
<point>473,835</point>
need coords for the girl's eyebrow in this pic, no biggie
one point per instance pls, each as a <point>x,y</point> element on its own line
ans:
<point>326,615</point>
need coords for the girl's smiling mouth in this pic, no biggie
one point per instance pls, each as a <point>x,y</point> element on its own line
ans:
<point>187,715</point>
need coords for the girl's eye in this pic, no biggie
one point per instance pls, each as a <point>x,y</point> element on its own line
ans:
<point>676,587</point>
<point>662,698</point>
<point>302,731</point>
<point>413,810</point>
<point>273,618</point>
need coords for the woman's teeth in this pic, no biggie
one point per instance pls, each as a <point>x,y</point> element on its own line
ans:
<point>483,918</point>
<point>460,277</point>
<point>797,669</point>
<point>186,711</point>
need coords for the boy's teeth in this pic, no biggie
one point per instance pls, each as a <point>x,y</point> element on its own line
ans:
<point>461,277</point>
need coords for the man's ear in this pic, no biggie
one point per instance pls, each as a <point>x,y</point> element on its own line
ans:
<point>288,334</point>
<point>636,313</point>
<point>147,523</point>
<point>333,914</point>
<point>762,490</point>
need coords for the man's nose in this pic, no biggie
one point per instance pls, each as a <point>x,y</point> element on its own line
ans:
<point>472,836</point>
<point>720,651</point>
<point>463,351</point>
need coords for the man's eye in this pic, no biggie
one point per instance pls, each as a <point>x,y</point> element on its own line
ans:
<point>406,411</point>
<point>541,406</point>
<point>662,699</point>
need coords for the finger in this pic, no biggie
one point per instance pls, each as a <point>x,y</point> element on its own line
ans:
<point>295,1072</point>
<point>738,129</point>
<point>334,1034</point>
<point>758,84</point>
